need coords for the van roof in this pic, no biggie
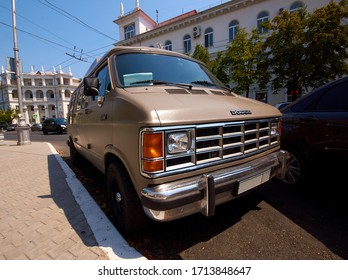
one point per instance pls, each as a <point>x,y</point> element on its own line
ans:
<point>135,49</point>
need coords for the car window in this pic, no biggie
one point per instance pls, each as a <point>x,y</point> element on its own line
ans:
<point>139,69</point>
<point>82,100</point>
<point>104,81</point>
<point>335,99</point>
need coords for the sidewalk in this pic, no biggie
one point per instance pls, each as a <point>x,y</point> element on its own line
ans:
<point>46,213</point>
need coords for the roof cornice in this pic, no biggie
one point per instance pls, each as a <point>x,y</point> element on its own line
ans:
<point>195,19</point>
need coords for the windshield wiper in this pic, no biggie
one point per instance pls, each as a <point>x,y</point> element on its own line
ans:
<point>207,83</point>
<point>204,83</point>
<point>157,82</point>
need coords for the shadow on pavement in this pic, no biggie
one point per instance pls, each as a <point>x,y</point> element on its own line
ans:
<point>64,199</point>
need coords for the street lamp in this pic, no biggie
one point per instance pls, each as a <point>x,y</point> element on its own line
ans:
<point>22,128</point>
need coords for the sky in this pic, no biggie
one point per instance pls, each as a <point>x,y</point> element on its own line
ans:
<point>71,34</point>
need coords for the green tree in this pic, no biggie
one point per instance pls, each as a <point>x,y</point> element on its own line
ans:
<point>7,116</point>
<point>305,50</point>
<point>327,43</point>
<point>241,60</point>
<point>284,57</point>
<point>202,54</point>
<point>218,68</point>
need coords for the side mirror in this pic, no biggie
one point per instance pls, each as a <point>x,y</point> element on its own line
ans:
<point>91,86</point>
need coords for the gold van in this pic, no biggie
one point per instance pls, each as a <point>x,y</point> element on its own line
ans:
<point>169,137</point>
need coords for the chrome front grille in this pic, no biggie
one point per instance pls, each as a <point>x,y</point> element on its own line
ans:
<point>219,142</point>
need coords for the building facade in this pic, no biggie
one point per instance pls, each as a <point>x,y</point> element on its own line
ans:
<point>44,94</point>
<point>213,28</point>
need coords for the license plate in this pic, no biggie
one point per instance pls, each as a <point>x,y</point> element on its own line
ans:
<point>253,182</point>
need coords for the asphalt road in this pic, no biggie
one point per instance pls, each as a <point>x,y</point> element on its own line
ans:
<point>275,222</point>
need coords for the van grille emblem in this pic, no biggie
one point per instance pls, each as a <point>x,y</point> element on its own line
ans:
<point>241,112</point>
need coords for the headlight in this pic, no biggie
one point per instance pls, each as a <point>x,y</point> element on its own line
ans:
<point>178,142</point>
<point>63,125</point>
<point>276,130</point>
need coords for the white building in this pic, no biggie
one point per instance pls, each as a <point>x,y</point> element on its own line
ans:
<point>213,28</point>
<point>44,94</point>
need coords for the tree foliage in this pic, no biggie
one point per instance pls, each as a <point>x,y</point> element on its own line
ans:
<point>284,57</point>
<point>218,68</point>
<point>301,50</point>
<point>327,42</point>
<point>7,116</point>
<point>306,50</point>
<point>202,54</point>
<point>241,59</point>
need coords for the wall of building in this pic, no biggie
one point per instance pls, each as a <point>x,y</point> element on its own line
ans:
<point>44,95</point>
<point>218,18</point>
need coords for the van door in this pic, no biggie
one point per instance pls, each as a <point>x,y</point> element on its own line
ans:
<point>98,114</point>
<point>79,120</point>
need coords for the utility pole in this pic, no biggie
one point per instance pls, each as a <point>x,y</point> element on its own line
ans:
<point>22,128</point>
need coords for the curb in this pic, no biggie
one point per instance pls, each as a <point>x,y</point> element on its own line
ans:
<point>106,235</point>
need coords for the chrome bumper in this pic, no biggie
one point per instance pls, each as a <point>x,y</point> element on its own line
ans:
<point>202,193</point>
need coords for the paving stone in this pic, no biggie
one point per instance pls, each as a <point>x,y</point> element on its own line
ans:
<point>39,216</point>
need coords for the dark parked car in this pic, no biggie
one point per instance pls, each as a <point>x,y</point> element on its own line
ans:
<point>3,126</point>
<point>281,105</point>
<point>36,127</point>
<point>57,125</point>
<point>11,127</point>
<point>315,132</point>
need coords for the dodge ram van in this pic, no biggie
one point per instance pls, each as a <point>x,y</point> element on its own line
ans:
<point>169,137</point>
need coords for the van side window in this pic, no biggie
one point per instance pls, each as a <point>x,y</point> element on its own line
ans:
<point>82,100</point>
<point>104,81</point>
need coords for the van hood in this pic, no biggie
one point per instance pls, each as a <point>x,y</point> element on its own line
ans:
<point>173,105</point>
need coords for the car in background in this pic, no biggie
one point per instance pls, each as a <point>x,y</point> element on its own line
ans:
<point>36,127</point>
<point>281,105</point>
<point>11,127</point>
<point>57,125</point>
<point>315,132</point>
<point>3,126</point>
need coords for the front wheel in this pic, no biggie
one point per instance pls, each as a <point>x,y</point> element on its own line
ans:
<point>75,156</point>
<point>296,173</point>
<point>126,208</point>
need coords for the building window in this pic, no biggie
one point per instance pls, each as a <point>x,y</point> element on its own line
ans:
<point>39,94</point>
<point>296,6</point>
<point>262,17</point>
<point>28,94</point>
<point>233,29</point>
<point>129,31</point>
<point>208,37</point>
<point>168,45</point>
<point>15,94</point>
<point>187,44</point>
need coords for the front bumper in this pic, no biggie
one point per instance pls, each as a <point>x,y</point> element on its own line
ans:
<point>202,193</point>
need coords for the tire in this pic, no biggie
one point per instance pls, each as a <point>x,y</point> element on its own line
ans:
<point>127,211</point>
<point>44,131</point>
<point>75,156</point>
<point>296,174</point>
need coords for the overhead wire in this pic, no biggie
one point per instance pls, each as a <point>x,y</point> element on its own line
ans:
<point>72,17</point>
<point>89,54</point>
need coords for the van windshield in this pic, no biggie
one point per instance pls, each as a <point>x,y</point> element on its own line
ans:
<point>141,69</point>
